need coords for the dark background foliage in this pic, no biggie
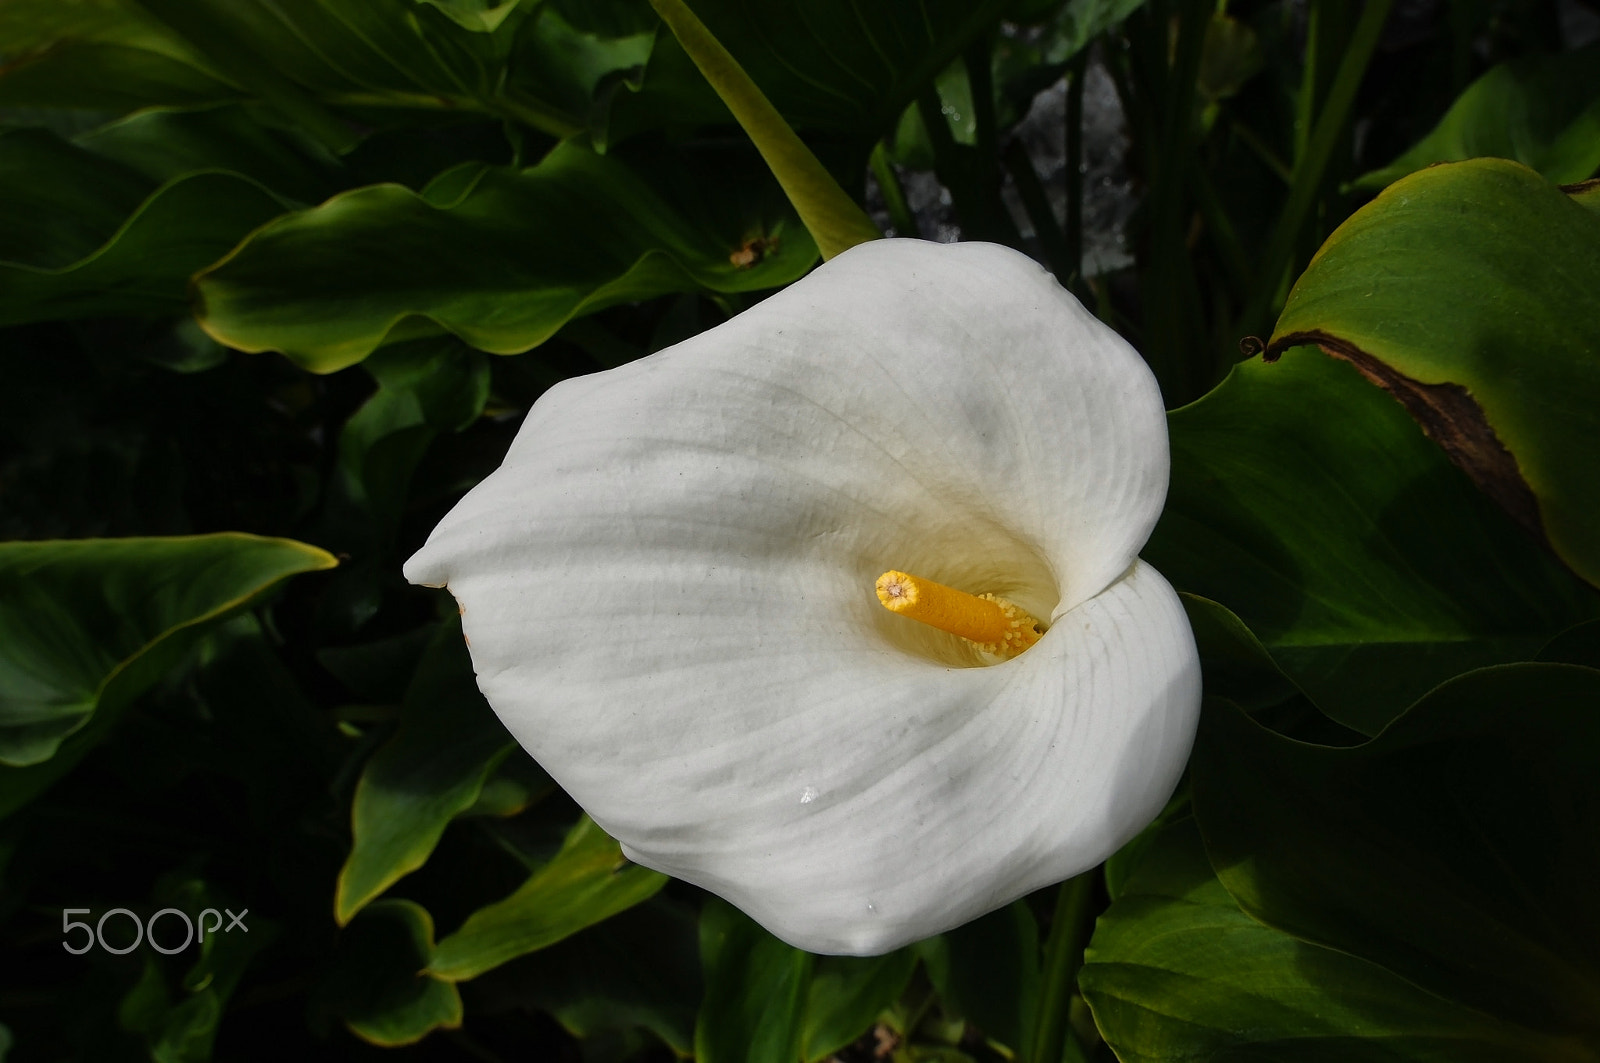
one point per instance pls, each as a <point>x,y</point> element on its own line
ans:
<point>247,252</point>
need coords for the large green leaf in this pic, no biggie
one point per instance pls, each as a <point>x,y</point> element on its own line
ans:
<point>768,1002</point>
<point>1176,973</point>
<point>1307,502</point>
<point>588,881</point>
<point>987,972</point>
<point>1543,112</point>
<point>836,222</point>
<point>310,59</point>
<point>100,55</point>
<point>500,257</point>
<point>431,771</point>
<point>755,999</point>
<point>85,236</point>
<point>375,983</point>
<point>166,143</point>
<point>832,66</point>
<point>185,1031</point>
<point>89,624</point>
<point>846,996</point>
<point>424,387</point>
<point>637,970</point>
<point>1456,849</point>
<point>1471,292</point>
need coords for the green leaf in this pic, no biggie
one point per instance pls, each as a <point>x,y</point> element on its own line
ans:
<point>100,55</point>
<point>769,1001</point>
<point>1541,111</point>
<point>1471,292</point>
<point>89,624</point>
<point>1235,663</point>
<point>186,1031</point>
<point>1176,973</point>
<point>309,56</point>
<point>431,771</point>
<point>637,970</point>
<point>754,1007</point>
<point>425,387</point>
<point>987,971</point>
<point>163,144</point>
<point>830,66</point>
<point>588,881</point>
<point>107,77</point>
<point>1321,532</point>
<point>834,220</point>
<point>375,984</point>
<point>846,996</point>
<point>1455,849</point>
<point>500,257</point>
<point>480,16</point>
<point>311,59</point>
<point>84,236</point>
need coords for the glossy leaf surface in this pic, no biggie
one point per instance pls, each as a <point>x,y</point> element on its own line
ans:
<point>376,985</point>
<point>1471,291</point>
<point>1176,973</point>
<point>84,236</point>
<point>588,881</point>
<point>1461,869</point>
<point>1542,112</point>
<point>500,257</point>
<point>89,624</point>
<point>433,770</point>
<point>834,66</point>
<point>1309,504</point>
<point>768,1002</point>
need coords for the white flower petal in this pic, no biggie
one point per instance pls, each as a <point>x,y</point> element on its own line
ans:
<point>668,591</point>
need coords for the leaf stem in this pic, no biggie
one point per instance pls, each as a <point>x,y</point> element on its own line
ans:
<point>836,221</point>
<point>1312,164</point>
<point>894,194</point>
<point>1063,955</point>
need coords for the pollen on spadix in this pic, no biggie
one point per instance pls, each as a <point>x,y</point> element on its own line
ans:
<point>989,622</point>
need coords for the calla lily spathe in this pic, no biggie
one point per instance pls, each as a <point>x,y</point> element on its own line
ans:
<point>668,593</point>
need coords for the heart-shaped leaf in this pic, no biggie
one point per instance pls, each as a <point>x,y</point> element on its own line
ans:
<point>434,768</point>
<point>1455,849</point>
<point>1543,112</point>
<point>1176,973</point>
<point>375,983</point>
<point>500,257</point>
<point>1471,292</point>
<point>87,625</point>
<point>587,882</point>
<point>84,236</point>
<point>1322,534</point>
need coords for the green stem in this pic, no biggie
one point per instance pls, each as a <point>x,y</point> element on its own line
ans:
<point>835,220</point>
<point>980,78</point>
<point>1264,152</point>
<point>1313,164</point>
<point>1174,332</point>
<point>1063,955</point>
<point>894,195</point>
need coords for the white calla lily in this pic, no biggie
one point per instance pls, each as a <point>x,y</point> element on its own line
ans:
<point>668,590</point>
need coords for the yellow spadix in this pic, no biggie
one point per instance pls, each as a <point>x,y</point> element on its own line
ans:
<point>987,620</point>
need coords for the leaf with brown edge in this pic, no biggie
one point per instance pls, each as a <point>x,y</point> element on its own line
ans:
<point>1450,418</point>
<point>1471,292</point>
